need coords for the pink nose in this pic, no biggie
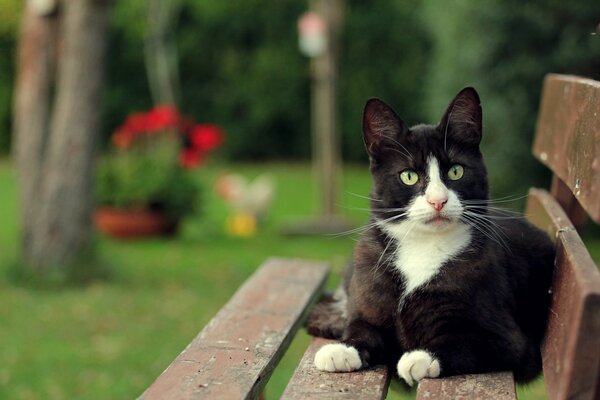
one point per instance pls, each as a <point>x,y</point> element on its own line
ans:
<point>438,204</point>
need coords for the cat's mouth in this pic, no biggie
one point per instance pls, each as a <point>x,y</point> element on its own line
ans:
<point>438,220</point>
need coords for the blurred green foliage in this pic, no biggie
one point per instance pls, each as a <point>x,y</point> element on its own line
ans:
<point>240,67</point>
<point>385,53</point>
<point>148,175</point>
<point>10,13</point>
<point>504,48</point>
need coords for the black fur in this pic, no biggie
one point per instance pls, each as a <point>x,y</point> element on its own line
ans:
<point>486,309</point>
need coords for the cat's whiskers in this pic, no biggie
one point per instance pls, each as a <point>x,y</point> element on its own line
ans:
<point>360,229</point>
<point>504,199</point>
<point>370,225</point>
<point>484,231</point>
<point>505,214</point>
<point>401,152</point>
<point>405,153</point>
<point>447,124</point>
<point>402,209</point>
<point>487,227</point>
<point>363,197</point>
<point>494,230</point>
<point>379,264</point>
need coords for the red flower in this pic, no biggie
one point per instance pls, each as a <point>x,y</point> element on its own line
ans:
<point>196,140</point>
<point>185,125</point>
<point>136,123</point>
<point>123,138</point>
<point>161,118</point>
<point>190,158</point>
<point>206,137</point>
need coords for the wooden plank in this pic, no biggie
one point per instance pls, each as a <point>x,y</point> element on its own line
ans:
<point>497,386</point>
<point>309,383</point>
<point>235,354</point>
<point>567,138</point>
<point>563,195</point>
<point>571,350</point>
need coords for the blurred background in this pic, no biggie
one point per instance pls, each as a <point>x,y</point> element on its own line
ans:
<point>85,91</point>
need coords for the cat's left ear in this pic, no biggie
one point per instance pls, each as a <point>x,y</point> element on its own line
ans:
<point>463,118</point>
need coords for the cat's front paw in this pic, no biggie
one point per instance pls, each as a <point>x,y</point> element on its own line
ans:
<point>416,365</point>
<point>337,357</point>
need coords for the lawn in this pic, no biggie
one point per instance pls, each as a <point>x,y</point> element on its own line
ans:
<point>111,338</point>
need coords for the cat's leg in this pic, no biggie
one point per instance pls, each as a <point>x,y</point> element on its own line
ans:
<point>362,345</point>
<point>465,352</point>
<point>337,357</point>
<point>416,365</point>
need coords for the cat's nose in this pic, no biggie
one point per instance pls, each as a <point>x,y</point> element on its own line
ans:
<point>438,203</point>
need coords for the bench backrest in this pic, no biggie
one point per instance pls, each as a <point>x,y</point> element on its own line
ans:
<point>567,141</point>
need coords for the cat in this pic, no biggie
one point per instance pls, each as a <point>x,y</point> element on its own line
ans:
<point>441,282</point>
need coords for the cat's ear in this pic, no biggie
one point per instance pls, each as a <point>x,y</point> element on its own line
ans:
<point>463,118</point>
<point>381,125</point>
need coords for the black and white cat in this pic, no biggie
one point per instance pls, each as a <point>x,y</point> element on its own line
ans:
<point>441,283</point>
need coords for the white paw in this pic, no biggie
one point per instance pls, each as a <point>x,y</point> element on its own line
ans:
<point>416,365</point>
<point>337,357</point>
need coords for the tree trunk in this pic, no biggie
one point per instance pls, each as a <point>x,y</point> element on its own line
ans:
<point>35,66</point>
<point>160,51</point>
<point>56,176</point>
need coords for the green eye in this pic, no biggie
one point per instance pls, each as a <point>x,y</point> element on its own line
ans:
<point>456,172</point>
<point>409,177</point>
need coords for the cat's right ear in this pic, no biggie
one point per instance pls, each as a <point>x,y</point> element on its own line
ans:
<point>463,118</point>
<point>381,126</point>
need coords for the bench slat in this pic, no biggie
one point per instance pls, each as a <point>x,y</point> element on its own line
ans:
<point>567,138</point>
<point>310,383</point>
<point>571,350</point>
<point>235,354</point>
<point>497,386</point>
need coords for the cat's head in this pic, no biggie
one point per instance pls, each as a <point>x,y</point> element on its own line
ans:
<point>424,175</point>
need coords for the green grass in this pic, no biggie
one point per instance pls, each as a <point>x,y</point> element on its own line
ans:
<point>111,339</point>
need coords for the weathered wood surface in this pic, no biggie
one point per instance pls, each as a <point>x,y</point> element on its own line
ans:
<point>571,351</point>
<point>309,383</point>
<point>563,195</point>
<point>567,138</point>
<point>235,354</point>
<point>497,386</point>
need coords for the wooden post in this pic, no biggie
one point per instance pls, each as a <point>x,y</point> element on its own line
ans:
<point>326,146</point>
<point>326,151</point>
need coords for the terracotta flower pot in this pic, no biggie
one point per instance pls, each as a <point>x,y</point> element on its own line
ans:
<point>133,223</point>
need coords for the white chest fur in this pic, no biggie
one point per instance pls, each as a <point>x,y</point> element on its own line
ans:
<point>420,255</point>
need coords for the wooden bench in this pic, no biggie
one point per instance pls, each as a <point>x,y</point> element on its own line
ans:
<point>235,354</point>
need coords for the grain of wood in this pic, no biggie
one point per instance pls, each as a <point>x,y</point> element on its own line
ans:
<point>235,354</point>
<point>308,383</point>
<point>570,352</point>
<point>567,138</point>
<point>497,386</point>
